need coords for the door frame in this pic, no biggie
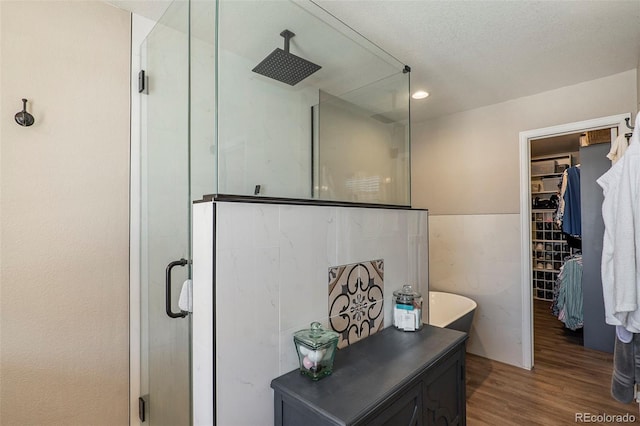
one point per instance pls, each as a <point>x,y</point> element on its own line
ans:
<point>525,213</point>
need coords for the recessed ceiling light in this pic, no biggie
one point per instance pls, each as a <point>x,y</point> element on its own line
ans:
<point>420,94</point>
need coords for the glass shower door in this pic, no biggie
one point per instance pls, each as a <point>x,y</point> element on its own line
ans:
<point>165,222</point>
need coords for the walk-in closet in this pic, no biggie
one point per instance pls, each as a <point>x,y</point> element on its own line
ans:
<point>566,235</point>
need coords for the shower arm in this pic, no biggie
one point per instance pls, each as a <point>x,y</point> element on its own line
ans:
<point>287,36</point>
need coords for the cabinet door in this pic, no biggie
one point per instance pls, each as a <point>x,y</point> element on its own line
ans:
<point>406,410</point>
<point>444,392</point>
<point>291,412</point>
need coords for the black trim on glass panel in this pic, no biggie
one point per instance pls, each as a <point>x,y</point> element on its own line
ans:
<point>312,153</point>
<point>299,201</point>
<point>213,317</point>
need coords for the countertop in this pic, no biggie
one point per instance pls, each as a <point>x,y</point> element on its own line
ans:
<point>369,371</point>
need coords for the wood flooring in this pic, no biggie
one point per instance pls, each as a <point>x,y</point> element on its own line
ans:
<point>567,379</point>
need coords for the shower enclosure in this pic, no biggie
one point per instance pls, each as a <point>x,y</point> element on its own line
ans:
<point>340,133</point>
<point>325,119</point>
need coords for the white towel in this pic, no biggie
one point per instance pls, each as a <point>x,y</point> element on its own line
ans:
<point>621,242</point>
<point>185,303</point>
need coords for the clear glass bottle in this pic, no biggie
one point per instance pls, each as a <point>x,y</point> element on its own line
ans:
<point>316,348</point>
<point>407,309</point>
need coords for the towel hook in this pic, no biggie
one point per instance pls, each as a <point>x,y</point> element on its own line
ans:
<point>627,120</point>
<point>23,118</point>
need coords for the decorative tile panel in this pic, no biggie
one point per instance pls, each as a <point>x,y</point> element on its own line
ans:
<point>356,293</point>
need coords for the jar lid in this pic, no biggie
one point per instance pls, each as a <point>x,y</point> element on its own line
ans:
<point>316,335</point>
<point>406,294</point>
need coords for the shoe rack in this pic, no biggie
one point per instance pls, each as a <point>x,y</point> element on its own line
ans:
<point>549,249</point>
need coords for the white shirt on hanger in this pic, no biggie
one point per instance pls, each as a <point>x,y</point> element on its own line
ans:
<point>621,213</point>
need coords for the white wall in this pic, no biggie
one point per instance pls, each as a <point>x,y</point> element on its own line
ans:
<point>271,268</point>
<point>465,170</point>
<point>479,256</point>
<point>467,163</point>
<point>64,206</point>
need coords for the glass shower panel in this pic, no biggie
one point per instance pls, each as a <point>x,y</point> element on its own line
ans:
<point>203,94</point>
<point>165,221</point>
<point>362,152</point>
<point>265,118</point>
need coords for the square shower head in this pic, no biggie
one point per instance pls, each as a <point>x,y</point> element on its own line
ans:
<point>286,67</point>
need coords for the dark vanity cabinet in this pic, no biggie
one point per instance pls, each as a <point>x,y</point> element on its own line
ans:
<point>392,378</point>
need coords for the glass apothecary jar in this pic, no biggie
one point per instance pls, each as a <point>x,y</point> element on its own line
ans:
<point>316,348</point>
<point>407,309</point>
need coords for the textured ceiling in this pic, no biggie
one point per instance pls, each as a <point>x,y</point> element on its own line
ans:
<point>467,54</point>
<point>473,53</point>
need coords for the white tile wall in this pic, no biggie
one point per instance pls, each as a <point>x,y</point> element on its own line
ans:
<point>272,146</point>
<point>307,247</point>
<point>478,256</point>
<point>246,312</point>
<point>272,266</point>
<point>202,317</point>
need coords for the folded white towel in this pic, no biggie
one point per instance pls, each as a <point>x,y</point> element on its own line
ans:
<point>185,303</point>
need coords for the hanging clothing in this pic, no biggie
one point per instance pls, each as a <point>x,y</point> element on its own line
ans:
<point>572,219</point>
<point>567,299</point>
<point>618,148</point>
<point>620,259</point>
<point>559,214</point>
<point>609,183</point>
<point>621,265</point>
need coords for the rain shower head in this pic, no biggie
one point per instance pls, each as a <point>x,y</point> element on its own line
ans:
<point>284,66</point>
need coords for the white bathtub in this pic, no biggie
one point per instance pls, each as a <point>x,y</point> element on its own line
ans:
<point>448,310</point>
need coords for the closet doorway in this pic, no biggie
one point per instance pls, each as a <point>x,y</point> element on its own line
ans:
<point>556,243</point>
<point>575,149</point>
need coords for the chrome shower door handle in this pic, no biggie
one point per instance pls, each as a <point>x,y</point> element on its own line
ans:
<point>170,266</point>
